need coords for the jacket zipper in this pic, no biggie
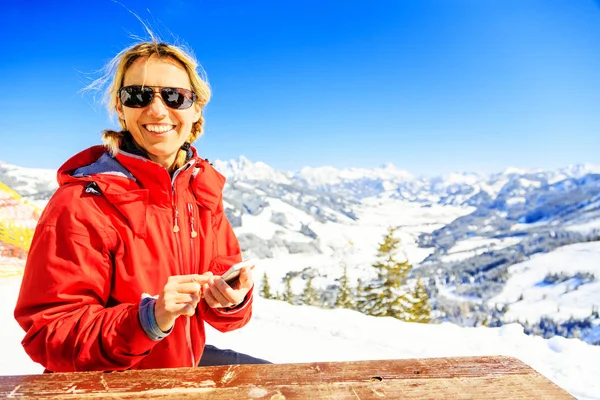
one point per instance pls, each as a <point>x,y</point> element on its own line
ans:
<point>193,234</point>
<point>188,335</point>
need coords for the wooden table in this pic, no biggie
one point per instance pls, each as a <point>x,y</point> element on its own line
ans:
<point>431,378</point>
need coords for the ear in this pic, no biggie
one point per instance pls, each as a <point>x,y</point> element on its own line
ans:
<point>197,111</point>
<point>119,108</point>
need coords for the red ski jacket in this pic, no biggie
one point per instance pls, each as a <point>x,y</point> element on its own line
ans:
<point>113,232</point>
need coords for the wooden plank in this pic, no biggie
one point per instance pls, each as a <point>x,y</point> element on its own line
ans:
<point>434,378</point>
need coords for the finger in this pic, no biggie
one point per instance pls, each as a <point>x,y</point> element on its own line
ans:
<point>197,278</point>
<point>245,280</point>
<point>181,298</point>
<point>189,288</point>
<point>209,298</point>
<point>188,310</point>
<point>195,300</point>
<point>217,289</point>
<point>229,293</point>
<point>248,273</point>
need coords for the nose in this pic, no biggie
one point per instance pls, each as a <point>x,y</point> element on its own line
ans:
<point>157,107</point>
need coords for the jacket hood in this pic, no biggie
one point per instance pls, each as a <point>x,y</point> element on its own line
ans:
<point>129,178</point>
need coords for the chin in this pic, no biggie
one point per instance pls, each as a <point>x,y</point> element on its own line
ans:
<point>161,151</point>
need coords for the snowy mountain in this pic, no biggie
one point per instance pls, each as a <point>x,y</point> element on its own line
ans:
<point>499,210</point>
<point>508,188</point>
<point>461,231</point>
<point>34,182</point>
<point>530,214</point>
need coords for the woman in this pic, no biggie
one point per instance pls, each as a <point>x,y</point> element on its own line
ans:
<point>123,268</point>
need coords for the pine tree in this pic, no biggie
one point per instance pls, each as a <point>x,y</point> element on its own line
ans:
<point>388,295</point>
<point>361,298</point>
<point>310,296</point>
<point>384,296</point>
<point>419,309</point>
<point>386,253</point>
<point>265,290</point>
<point>288,295</point>
<point>344,298</point>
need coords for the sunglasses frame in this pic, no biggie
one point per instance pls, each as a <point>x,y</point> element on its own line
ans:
<point>186,93</point>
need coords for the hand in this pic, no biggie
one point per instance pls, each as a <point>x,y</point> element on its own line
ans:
<point>180,296</point>
<point>218,294</point>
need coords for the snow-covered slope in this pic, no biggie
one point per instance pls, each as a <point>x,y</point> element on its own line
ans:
<point>283,333</point>
<point>562,284</point>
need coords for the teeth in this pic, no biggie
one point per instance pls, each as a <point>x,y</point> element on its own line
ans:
<point>159,128</point>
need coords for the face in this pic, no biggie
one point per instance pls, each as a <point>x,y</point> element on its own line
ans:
<point>158,129</point>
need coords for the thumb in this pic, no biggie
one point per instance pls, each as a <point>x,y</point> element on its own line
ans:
<point>246,277</point>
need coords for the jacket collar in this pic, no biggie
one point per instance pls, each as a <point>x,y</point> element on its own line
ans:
<point>131,182</point>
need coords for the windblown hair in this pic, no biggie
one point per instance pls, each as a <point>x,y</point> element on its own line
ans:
<point>125,59</point>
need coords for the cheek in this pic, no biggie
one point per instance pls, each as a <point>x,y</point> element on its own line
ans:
<point>185,119</point>
<point>131,114</point>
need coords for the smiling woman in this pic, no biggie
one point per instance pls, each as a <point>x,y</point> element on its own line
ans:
<point>124,267</point>
<point>161,125</point>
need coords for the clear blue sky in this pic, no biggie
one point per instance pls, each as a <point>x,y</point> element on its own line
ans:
<point>432,86</point>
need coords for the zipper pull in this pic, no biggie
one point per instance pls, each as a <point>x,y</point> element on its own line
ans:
<point>191,211</point>
<point>176,227</point>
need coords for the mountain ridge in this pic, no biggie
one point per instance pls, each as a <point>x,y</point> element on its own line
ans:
<point>457,188</point>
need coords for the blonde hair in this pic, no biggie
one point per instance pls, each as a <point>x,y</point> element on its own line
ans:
<point>148,50</point>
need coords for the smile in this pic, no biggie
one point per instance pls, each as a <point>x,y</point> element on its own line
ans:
<point>162,128</point>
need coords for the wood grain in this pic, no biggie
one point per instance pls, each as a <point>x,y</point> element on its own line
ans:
<point>431,378</point>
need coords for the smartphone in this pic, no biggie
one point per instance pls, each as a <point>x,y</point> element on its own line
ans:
<point>234,272</point>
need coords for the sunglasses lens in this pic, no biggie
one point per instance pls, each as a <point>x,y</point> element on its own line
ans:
<point>177,98</point>
<point>136,96</point>
<point>141,96</point>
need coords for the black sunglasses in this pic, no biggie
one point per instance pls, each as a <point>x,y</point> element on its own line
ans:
<point>140,96</point>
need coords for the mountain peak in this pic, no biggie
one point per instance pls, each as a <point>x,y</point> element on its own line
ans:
<point>515,171</point>
<point>388,166</point>
<point>243,168</point>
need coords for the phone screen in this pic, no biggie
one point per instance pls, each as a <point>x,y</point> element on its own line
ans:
<point>234,272</point>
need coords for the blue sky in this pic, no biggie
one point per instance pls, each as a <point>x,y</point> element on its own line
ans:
<point>432,86</point>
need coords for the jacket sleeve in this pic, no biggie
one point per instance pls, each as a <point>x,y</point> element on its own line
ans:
<point>62,301</point>
<point>227,253</point>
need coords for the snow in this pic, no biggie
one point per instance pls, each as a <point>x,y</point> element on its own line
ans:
<point>529,183</point>
<point>261,225</point>
<point>515,200</point>
<point>14,360</point>
<point>283,333</point>
<point>516,171</point>
<point>242,168</point>
<point>585,227</point>
<point>27,180</point>
<point>522,226</point>
<point>335,335</point>
<point>464,249</point>
<point>350,243</point>
<point>410,219</point>
<point>462,178</point>
<point>559,300</point>
<point>329,175</point>
<point>11,266</point>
